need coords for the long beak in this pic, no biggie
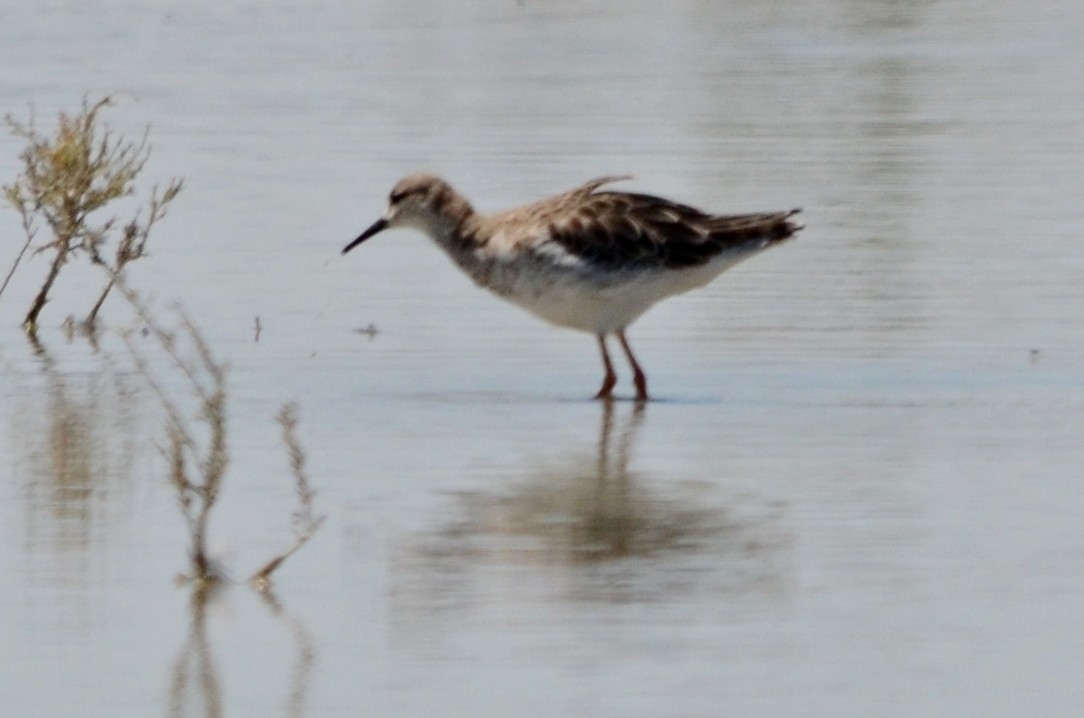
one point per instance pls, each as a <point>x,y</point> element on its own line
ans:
<point>378,226</point>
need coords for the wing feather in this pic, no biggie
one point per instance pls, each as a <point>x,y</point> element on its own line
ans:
<point>639,231</point>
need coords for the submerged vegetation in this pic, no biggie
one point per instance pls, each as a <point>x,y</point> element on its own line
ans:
<point>305,521</point>
<point>197,458</point>
<point>69,183</point>
<point>198,452</point>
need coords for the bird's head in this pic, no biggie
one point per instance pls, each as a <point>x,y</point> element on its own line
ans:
<point>421,201</point>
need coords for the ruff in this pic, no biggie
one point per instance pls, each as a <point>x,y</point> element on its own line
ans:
<point>586,259</point>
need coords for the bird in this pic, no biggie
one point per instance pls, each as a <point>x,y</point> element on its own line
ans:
<point>592,258</point>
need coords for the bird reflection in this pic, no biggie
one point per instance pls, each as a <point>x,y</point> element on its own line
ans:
<point>609,531</point>
<point>606,520</point>
<point>586,508</point>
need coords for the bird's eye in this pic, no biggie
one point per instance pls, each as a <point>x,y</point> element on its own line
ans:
<point>394,197</point>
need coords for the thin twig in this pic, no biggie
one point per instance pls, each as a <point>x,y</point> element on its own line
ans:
<point>30,231</point>
<point>305,521</point>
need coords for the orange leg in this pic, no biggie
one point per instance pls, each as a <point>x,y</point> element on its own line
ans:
<point>638,377</point>
<point>610,378</point>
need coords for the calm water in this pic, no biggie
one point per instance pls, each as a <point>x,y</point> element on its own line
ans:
<point>859,492</point>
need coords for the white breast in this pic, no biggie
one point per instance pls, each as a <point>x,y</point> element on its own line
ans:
<point>600,302</point>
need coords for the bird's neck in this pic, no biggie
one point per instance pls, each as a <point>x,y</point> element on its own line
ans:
<point>462,234</point>
<point>454,226</point>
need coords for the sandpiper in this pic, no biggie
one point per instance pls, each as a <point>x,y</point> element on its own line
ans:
<point>586,259</point>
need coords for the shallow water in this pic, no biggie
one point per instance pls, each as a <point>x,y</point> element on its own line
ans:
<point>857,493</point>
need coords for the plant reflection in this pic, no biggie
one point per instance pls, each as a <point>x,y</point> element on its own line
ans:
<point>78,435</point>
<point>195,684</point>
<point>196,657</point>
<point>306,654</point>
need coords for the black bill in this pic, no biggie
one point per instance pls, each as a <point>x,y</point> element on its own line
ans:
<point>378,226</point>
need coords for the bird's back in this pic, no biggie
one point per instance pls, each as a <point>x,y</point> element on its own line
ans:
<point>616,229</point>
<point>623,230</point>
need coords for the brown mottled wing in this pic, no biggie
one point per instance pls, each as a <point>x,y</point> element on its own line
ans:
<point>618,229</point>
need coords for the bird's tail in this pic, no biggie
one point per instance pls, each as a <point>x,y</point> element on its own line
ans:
<point>763,229</point>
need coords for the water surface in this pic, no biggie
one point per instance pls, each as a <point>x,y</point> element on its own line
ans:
<point>857,493</point>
